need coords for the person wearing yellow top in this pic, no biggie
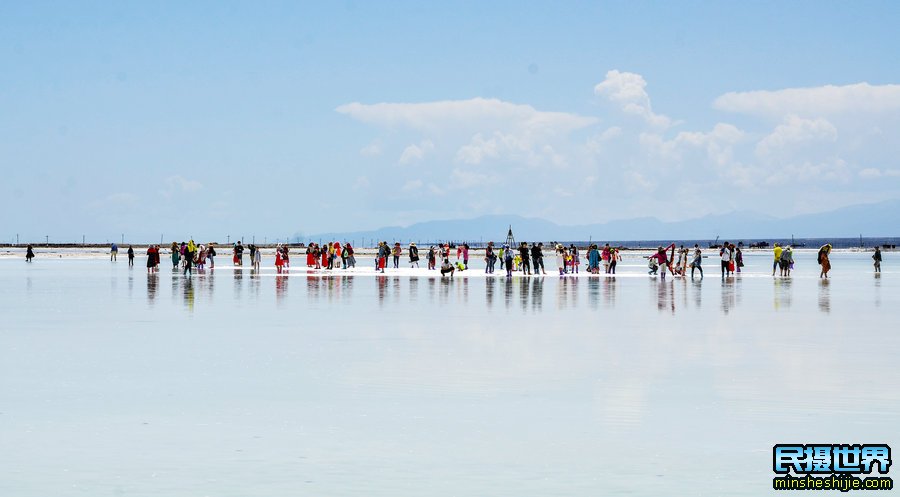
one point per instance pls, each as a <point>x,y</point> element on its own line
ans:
<point>777,250</point>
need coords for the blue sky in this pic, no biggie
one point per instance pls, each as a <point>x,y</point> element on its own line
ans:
<point>275,119</point>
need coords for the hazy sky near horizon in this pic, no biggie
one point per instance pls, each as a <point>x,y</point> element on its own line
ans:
<point>280,118</point>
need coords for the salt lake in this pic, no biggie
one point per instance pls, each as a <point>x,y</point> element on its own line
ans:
<point>237,382</point>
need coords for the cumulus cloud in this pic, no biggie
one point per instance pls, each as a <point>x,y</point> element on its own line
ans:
<point>416,152</point>
<point>796,131</point>
<point>179,184</point>
<point>814,101</point>
<point>494,152</point>
<point>372,149</point>
<point>628,91</point>
<point>412,185</point>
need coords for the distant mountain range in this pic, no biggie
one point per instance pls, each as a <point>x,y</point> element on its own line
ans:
<point>868,220</point>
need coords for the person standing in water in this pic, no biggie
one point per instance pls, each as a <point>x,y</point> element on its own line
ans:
<point>151,260</point>
<point>824,260</point>
<point>525,256</point>
<point>29,253</point>
<point>877,258</point>
<point>413,255</point>
<point>727,258</point>
<point>593,256</point>
<point>130,256</point>
<point>614,259</point>
<point>239,253</point>
<point>697,261</point>
<point>537,263</point>
<point>211,253</point>
<point>113,252</point>
<point>489,258</point>
<point>189,259</point>
<point>777,251</point>
<point>508,260</point>
<point>432,257</point>
<point>176,255</point>
<point>395,252</point>
<point>787,261</point>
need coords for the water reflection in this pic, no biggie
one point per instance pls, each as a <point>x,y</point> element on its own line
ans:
<point>238,282</point>
<point>731,291</point>
<point>188,292</point>
<point>489,289</point>
<point>281,287</point>
<point>824,295</point>
<point>697,292</point>
<point>537,294</point>
<point>877,289</point>
<point>593,286</point>
<point>783,294</point>
<point>567,293</point>
<point>254,283</point>
<point>665,295</point>
<point>413,289</point>
<point>152,287</point>
<point>609,292</point>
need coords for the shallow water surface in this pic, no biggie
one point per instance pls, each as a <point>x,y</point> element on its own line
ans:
<point>237,382</point>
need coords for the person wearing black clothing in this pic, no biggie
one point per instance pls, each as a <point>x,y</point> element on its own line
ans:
<point>413,254</point>
<point>29,253</point>
<point>537,258</point>
<point>523,254</point>
<point>877,258</point>
<point>239,253</point>
<point>130,255</point>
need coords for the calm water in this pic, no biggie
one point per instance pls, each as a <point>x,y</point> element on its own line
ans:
<point>236,383</point>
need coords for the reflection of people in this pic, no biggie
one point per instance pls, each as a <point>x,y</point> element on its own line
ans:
<point>824,260</point>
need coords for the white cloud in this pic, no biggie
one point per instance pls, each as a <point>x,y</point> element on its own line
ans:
<point>463,179</point>
<point>796,131</point>
<point>415,153</point>
<point>474,113</point>
<point>179,184</point>
<point>360,183</point>
<point>814,101</point>
<point>412,185</point>
<point>499,152</point>
<point>627,90</point>
<point>372,149</point>
<point>872,173</point>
